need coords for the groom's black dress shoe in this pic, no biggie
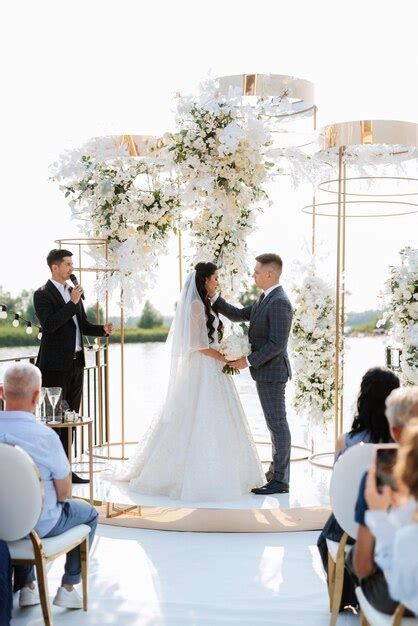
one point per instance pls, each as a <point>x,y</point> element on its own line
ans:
<point>77,480</point>
<point>274,486</point>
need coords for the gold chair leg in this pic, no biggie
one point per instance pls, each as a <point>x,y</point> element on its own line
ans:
<point>43,590</point>
<point>398,615</point>
<point>84,558</point>
<point>363,619</point>
<point>338,581</point>
<point>331,579</point>
<point>40,564</point>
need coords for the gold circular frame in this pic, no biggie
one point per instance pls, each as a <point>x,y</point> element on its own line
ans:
<point>317,455</point>
<point>311,209</point>
<point>399,194</point>
<point>396,133</point>
<point>300,90</point>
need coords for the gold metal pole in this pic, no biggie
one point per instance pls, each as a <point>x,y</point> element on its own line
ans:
<point>122,374</point>
<point>313,224</point>
<point>180,255</point>
<point>343,269</point>
<point>80,281</point>
<point>107,408</point>
<point>99,375</point>
<point>337,296</point>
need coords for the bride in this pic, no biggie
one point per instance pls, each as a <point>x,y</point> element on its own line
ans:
<point>200,448</point>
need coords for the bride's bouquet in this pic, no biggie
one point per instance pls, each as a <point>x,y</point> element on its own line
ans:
<point>233,347</point>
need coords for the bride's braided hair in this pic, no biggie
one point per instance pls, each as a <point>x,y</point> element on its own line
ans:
<point>203,271</point>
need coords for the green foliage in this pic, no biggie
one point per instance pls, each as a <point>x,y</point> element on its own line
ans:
<point>10,336</point>
<point>22,304</point>
<point>250,295</point>
<point>150,317</point>
<point>363,317</point>
<point>91,313</point>
<point>141,335</point>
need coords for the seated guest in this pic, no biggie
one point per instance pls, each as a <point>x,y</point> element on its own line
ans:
<point>401,407</point>
<point>369,426</point>
<point>22,383</point>
<point>393,519</point>
<point>6,596</point>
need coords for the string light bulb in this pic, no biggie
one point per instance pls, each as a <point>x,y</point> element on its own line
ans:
<point>3,311</point>
<point>29,328</point>
<point>15,322</point>
<point>40,334</point>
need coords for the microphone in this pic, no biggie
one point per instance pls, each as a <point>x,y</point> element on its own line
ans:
<point>74,280</point>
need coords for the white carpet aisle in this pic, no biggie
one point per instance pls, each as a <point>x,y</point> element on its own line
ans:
<point>152,578</point>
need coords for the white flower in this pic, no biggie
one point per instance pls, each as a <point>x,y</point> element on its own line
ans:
<point>234,346</point>
<point>312,341</point>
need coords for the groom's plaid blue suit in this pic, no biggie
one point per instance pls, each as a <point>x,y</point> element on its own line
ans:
<point>270,323</point>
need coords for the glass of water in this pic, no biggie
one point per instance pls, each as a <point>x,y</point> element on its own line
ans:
<point>42,410</point>
<point>54,394</point>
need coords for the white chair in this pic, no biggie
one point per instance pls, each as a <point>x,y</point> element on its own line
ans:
<point>346,476</point>
<point>21,499</point>
<point>371,617</point>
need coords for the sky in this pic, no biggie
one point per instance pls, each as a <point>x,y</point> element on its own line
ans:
<point>75,70</point>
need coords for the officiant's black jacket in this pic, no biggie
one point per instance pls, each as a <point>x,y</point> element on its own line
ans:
<point>58,328</point>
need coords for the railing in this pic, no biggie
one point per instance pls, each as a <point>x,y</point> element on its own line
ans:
<point>94,403</point>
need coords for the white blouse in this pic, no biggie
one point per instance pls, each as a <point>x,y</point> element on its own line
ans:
<point>396,551</point>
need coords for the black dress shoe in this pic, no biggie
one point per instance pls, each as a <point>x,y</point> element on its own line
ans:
<point>77,480</point>
<point>274,486</point>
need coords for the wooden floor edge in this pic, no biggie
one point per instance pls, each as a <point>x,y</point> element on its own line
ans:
<point>215,520</point>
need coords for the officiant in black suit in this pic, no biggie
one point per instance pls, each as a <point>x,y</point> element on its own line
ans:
<point>63,320</point>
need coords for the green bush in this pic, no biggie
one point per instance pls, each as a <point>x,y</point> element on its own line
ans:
<point>10,336</point>
<point>150,317</point>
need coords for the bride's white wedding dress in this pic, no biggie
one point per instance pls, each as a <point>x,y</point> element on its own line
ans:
<point>200,448</point>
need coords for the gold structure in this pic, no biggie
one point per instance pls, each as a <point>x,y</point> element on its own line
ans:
<point>300,92</point>
<point>138,146</point>
<point>81,243</point>
<point>338,141</point>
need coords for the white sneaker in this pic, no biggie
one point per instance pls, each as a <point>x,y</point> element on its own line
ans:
<point>28,596</point>
<point>68,599</point>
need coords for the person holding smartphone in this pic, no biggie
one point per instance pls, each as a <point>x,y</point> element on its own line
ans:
<point>369,426</point>
<point>401,407</point>
<point>393,519</point>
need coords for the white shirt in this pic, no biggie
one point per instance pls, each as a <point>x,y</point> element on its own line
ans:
<point>65,292</point>
<point>270,289</point>
<point>19,428</point>
<point>395,552</point>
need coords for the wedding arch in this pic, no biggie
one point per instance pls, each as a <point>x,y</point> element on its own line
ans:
<point>208,176</point>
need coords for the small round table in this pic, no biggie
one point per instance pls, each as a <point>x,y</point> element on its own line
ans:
<point>83,421</point>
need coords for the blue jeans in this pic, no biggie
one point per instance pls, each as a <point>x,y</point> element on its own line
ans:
<point>74,513</point>
<point>6,596</point>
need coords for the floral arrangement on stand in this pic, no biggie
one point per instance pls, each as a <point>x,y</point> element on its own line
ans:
<point>219,154</point>
<point>402,295</point>
<point>126,201</point>
<point>313,346</point>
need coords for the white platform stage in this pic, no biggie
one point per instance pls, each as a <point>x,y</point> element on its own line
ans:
<point>306,507</point>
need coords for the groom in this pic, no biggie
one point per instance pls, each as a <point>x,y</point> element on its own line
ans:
<point>270,321</point>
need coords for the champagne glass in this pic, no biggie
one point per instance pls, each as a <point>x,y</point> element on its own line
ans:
<point>54,394</point>
<point>42,409</point>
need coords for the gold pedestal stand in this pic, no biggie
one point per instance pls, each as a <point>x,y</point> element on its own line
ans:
<point>341,146</point>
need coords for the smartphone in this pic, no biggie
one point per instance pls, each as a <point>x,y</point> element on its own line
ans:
<point>386,455</point>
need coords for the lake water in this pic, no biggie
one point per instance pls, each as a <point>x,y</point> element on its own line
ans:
<point>146,375</point>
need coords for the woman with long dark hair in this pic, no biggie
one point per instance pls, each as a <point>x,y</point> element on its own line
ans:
<point>369,426</point>
<point>200,447</point>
